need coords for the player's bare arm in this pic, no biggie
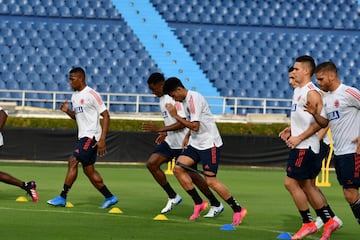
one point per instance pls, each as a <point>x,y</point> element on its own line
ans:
<point>322,132</point>
<point>65,108</point>
<point>151,127</point>
<point>101,144</point>
<point>310,108</point>
<point>161,137</point>
<point>3,117</point>
<point>185,142</point>
<point>293,141</point>
<point>314,109</point>
<point>357,141</point>
<point>285,134</point>
<point>194,126</point>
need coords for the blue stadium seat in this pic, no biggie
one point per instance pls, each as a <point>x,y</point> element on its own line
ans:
<point>64,86</point>
<point>226,92</point>
<point>117,108</point>
<point>101,13</point>
<point>3,8</point>
<point>39,10</point>
<point>3,68</point>
<point>7,77</point>
<point>89,12</point>
<point>4,94</point>
<point>50,86</point>
<point>144,108</point>
<point>11,84</point>
<point>10,40</point>
<point>130,108</point>
<point>224,50</point>
<point>24,84</point>
<point>13,67</point>
<point>4,50</point>
<point>76,11</point>
<point>155,108</point>
<point>64,11</point>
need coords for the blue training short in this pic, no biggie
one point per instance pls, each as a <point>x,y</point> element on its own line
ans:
<point>165,150</point>
<point>84,151</point>
<point>303,164</point>
<point>348,170</point>
<point>209,158</point>
<point>324,150</point>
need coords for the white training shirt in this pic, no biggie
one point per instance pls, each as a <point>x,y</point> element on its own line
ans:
<point>301,120</point>
<point>197,110</point>
<point>174,138</point>
<point>342,108</point>
<point>88,105</point>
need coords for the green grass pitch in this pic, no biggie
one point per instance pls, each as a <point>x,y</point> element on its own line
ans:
<point>270,208</point>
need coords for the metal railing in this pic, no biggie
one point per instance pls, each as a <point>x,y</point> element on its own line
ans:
<point>137,103</point>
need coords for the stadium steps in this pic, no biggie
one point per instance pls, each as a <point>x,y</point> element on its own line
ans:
<point>163,46</point>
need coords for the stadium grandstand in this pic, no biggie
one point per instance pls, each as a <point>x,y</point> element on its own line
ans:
<point>237,52</point>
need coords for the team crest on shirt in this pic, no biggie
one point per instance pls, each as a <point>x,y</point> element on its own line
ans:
<point>336,104</point>
<point>82,101</point>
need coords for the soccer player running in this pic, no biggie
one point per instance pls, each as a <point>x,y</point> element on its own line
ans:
<point>317,164</point>
<point>204,142</point>
<point>305,147</point>
<point>342,108</point>
<point>29,187</point>
<point>87,108</point>
<point>169,145</point>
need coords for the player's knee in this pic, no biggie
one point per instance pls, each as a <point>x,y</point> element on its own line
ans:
<point>351,195</point>
<point>154,163</point>
<point>178,169</point>
<point>150,165</point>
<point>288,185</point>
<point>211,181</point>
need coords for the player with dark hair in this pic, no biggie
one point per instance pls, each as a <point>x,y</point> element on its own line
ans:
<point>342,114</point>
<point>316,167</point>
<point>87,108</point>
<point>29,187</point>
<point>169,145</point>
<point>204,142</point>
<point>304,145</point>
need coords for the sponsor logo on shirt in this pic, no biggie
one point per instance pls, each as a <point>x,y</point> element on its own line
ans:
<point>165,114</point>
<point>333,115</point>
<point>293,107</point>
<point>79,109</point>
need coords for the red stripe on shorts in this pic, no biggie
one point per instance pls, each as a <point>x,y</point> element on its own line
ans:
<point>213,155</point>
<point>357,166</point>
<point>300,157</point>
<point>87,144</point>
